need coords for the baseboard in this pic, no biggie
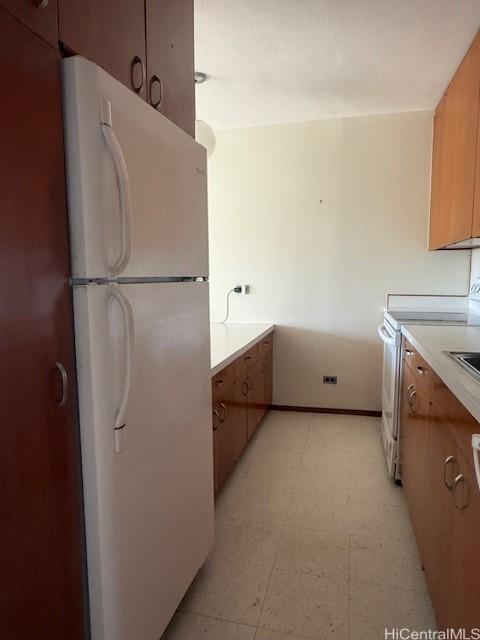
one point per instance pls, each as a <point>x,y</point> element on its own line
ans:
<point>348,412</point>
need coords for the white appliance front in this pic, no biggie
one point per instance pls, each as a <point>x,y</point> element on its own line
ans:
<point>143,372</point>
<point>390,394</point>
<point>136,183</point>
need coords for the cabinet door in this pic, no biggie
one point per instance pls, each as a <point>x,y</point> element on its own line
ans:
<point>454,154</point>
<point>170,60</point>
<point>241,416</point>
<point>111,34</point>
<point>224,436</point>
<point>256,395</point>
<point>414,449</point>
<point>38,15</point>
<point>465,556</point>
<point>41,539</point>
<point>444,468</point>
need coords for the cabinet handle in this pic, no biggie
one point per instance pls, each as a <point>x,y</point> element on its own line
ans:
<point>448,461</point>
<point>155,81</point>
<point>64,378</point>
<point>410,387</point>
<point>219,382</point>
<point>244,387</point>
<point>410,400</point>
<point>41,4</point>
<point>422,371</point>
<point>408,352</point>
<point>137,83</point>
<point>221,413</point>
<point>460,479</point>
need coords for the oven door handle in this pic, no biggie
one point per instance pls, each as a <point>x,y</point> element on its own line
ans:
<point>385,336</point>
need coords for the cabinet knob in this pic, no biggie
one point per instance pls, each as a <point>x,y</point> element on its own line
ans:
<point>155,91</point>
<point>422,371</point>
<point>40,4</point>
<point>408,352</point>
<point>137,74</point>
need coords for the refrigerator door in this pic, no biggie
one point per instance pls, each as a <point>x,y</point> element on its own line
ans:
<point>148,493</point>
<point>137,184</point>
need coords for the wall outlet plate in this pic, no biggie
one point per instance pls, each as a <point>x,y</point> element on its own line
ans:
<point>329,379</point>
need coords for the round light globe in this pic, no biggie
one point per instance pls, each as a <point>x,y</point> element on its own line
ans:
<point>205,135</point>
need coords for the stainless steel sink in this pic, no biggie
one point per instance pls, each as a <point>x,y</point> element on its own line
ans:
<point>469,361</point>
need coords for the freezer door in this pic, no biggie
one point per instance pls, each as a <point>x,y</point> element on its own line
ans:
<point>137,184</point>
<point>149,507</point>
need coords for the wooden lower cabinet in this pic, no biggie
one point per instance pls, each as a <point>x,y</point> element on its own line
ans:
<point>442,494</point>
<point>242,394</point>
<point>414,446</point>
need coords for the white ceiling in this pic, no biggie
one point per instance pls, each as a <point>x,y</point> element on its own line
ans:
<point>274,61</point>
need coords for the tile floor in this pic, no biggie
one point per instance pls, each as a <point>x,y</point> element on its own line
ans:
<point>313,541</point>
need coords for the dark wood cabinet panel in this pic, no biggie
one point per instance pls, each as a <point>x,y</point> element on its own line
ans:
<point>242,395</point>
<point>414,449</point>
<point>111,34</point>
<point>41,539</point>
<point>170,60</point>
<point>443,467</point>
<point>224,435</point>
<point>454,156</point>
<point>442,491</point>
<point>465,559</point>
<point>38,15</point>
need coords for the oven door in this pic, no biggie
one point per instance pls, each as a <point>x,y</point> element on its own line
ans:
<point>390,392</point>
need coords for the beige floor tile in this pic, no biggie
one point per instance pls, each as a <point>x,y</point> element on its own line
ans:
<point>374,520</point>
<point>332,462</point>
<point>373,483</point>
<point>246,542</point>
<point>267,634</point>
<point>266,454</point>
<point>374,608</point>
<point>306,605</point>
<point>318,483</point>
<point>186,626</point>
<point>233,592</point>
<point>321,553</point>
<point>326,514</point>
<point>383,563</point>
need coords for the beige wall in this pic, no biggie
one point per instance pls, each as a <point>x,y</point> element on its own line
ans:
<point>322,219</point>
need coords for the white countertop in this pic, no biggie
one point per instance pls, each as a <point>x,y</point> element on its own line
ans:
<point>228,341</point>
<point>431,342</point>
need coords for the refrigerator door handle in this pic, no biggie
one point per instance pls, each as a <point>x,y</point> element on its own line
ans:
<point>123,184</point>
<point>127,312</point>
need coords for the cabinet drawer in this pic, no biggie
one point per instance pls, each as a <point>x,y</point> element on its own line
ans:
<point>462,424</point>
<point>420,369</point>
<point>223,379</point>
<point>265,344</point>
<point>246,360</point>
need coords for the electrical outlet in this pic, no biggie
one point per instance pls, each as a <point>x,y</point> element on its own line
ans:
<point>329,379</point>
<point>242,288</point>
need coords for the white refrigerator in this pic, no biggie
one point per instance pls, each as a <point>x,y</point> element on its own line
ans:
<point>139,250</point>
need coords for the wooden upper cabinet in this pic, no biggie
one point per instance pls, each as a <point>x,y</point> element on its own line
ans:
<point>170,60</point>
<point>454,158</point>
<point>111,34</point>
<point>38,15</point>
